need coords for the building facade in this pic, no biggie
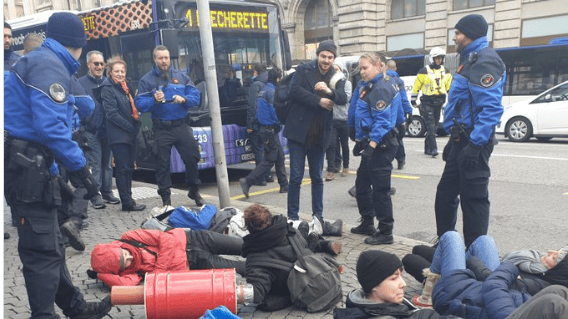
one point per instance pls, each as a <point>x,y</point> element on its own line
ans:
<point>395,26</point>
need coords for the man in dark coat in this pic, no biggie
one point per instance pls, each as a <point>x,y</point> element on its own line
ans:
<point>309,124</point>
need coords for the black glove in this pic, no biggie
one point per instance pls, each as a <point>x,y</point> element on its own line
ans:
<point>368,152</point>
<point>470,156</point>
<point>88,180</point>
<point>408,118</point>
<point>92,274</point>
<point>357,149</point>
<point>446,152</point>
<point>352,132</point>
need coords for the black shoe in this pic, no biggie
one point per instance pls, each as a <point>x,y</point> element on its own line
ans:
<point>313,241</point>
<point>94,310</point>
<point>392,191</point>
<point>434,153</point>
<point>111,199</point>
<point>335,229</point>
<point>331,247</point>
<point>379,239</point>
<point>352,191</point>
<point>6,235</point>
<point>97,202</point>
<point>367,227</point>
<point>270,179</point>
<point>428,152</point>
<point>194,194</point>
<point>401,164</point>
<point>304,229</point>
<point>261,183</point>
<point>70,230</point>
<point>134,208</point>
<point>166,201</point>
<point>283,189</point>
<point>245,187</point>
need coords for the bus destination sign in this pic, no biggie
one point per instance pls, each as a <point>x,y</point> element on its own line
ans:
<point>231,19</point>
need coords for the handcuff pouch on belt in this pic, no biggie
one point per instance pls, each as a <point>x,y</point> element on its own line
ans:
<point>458,132</point>
<point>35,183</point>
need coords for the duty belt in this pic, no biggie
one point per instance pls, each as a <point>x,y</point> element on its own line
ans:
<point>168,124</point>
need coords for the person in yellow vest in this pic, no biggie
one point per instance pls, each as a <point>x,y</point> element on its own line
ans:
<point>434,82</point>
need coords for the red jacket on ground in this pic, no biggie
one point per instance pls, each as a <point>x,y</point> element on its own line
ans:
<point>170,248</point>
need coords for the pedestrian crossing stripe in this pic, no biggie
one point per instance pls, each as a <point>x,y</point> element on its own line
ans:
<point>306,181</point>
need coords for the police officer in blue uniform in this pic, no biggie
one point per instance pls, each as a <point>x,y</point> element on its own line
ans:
<point>404,112</point>
<point>268,128</point>
<point>373,116</point>
<point>39,96</point>
<point>474,109</point>
<point>168,94</point>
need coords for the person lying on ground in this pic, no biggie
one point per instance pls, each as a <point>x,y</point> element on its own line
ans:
<point>533,266</point>
<point>382,291</point>
<point>124,262</point>
<point>458,291</point>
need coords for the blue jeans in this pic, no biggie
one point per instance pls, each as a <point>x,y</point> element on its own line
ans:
<point>100,159</point>
<point>451,254</point>
<point>316,156</point>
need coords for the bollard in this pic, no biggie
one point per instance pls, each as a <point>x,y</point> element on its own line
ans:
<point>181,294</point>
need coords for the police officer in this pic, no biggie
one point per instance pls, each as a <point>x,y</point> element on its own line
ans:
<point>40,94</point>
<point>434,82</point>
<point>404,112</point>
<point>168,94</point>
<point>474,109</point>
<point>268,128</point>
<point>372,118</point>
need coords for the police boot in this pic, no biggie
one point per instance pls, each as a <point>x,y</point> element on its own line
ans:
<point>335,229</point>
<point>330,247</point>
<point>425,300</point>
<point>194,194</point>
<point>94,310</point>
<point>367,227</point>
<point>313,242</point>
<point>70,230</point>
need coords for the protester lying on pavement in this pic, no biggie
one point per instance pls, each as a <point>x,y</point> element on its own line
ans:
<point>533,266</point>
<point>492,291</point>
<point>268,237</point>
<point>382,292</point>
<point>124,262</point>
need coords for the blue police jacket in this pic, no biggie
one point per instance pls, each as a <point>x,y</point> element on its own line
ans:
<point>265,112</point>
<point>177,83</point>
<point>44,78</point>
<point>476,92</point>
<point>10,58</point>
<point>375,115</point>
<point>405,107</point>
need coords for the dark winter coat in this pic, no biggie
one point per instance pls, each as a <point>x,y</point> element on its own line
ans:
<point>255,87</point>
<point>120,125</point>
<point>461,293</point>
<point>359,307</point>
<point>305,104</point>
<point>94,123</point>
<point>271,242</point>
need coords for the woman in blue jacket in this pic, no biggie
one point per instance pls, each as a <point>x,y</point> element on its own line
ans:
<point>460,292</point>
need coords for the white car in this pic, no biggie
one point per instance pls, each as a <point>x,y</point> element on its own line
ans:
<point>544,116</point>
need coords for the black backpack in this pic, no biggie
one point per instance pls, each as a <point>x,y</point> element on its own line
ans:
<point>282,98</point>
<point>313,280</point>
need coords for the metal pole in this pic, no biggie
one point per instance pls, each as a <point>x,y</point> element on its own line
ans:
<point>213,95</point>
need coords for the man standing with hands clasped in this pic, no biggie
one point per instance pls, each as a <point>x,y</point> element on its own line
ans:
<point>168,94</point>
<point>309,124</point>
<point>474,109</point>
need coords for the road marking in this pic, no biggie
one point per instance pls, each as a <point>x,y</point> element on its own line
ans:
<point>405,176</point>
<point>566,193</point>
<point>532,157</point>
<point>270,190</point>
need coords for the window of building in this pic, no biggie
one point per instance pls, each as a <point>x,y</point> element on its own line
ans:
<point>407,8</point>
<point>318,24</point>
<point>466,4</point>
<point>541,31</point>
<point>407,41</point>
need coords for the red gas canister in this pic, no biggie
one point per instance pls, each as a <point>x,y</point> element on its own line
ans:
<point>182,294</point>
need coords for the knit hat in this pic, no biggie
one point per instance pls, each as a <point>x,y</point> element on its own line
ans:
<point>374,266</point>
<point>327,45</point>
<point>473,26</point>
<point>107,258</point>
<point>67,29</point>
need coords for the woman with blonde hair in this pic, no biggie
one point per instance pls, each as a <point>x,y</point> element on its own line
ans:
<point>122,126</point>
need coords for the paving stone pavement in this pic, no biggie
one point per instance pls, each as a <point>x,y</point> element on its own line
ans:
<point>105,225</point>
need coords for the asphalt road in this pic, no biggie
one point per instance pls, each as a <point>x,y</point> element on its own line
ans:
<point>528,193</point>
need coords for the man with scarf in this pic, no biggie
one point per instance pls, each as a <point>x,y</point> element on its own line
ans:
<point>168,94</point>
<point>309,124</point>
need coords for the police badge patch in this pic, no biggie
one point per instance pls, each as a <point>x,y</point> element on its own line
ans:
<point>57,92</point>
<point>487,80</point>
<point>381,106</point>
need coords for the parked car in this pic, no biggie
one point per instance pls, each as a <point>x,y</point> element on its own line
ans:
<point>544,116</point>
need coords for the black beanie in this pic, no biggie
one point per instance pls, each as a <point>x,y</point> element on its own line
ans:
<point>473,26</point>
<point>374,266</point>
<point>67,29</point>
<point>327,45</point>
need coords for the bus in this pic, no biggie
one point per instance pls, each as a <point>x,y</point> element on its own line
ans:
<point>244,34</point>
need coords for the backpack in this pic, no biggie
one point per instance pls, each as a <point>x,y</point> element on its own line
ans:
<point>282,101</point>
<point>313,281</point>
